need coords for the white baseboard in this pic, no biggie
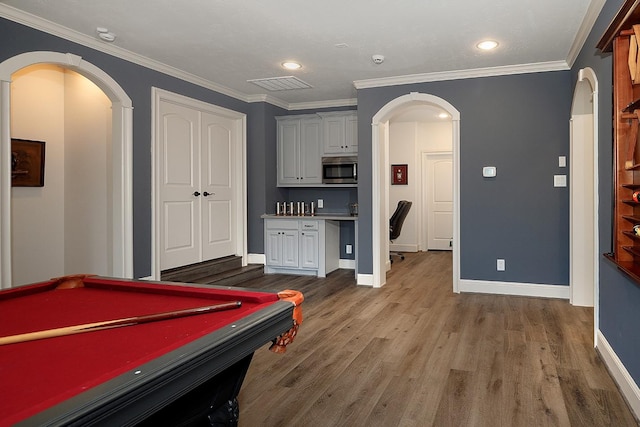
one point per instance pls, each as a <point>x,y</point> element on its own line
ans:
<point>621,376</point>
<point>365,279</point>
<point>256,259</point>
<point>513,288</point>
<point>348,264</point>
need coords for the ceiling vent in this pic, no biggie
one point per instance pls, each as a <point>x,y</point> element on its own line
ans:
<point>281,83</point>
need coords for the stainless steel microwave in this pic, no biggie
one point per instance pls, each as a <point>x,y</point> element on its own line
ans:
<point>340,170</point>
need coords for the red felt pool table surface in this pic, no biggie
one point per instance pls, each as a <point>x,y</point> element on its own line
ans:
<point>39,374</point>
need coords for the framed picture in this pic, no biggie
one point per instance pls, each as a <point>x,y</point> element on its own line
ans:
<point>27,163</point>
<point>398,174</point>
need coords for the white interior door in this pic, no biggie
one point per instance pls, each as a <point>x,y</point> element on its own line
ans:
<point>438,196</point>
<point>178,151</point>
<point>219,215</point>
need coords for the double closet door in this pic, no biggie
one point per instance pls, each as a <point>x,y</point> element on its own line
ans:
<point>197,215</point>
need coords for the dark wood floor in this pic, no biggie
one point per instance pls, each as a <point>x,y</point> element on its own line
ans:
<point>415,354</point>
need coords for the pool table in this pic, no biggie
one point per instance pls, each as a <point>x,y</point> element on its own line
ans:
<point>181,371</point>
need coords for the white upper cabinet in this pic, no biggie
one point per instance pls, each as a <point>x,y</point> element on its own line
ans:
<point>299,150</point>
<point>340,132</point>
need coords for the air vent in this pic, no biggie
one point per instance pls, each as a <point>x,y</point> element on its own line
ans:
<point>281,83</point>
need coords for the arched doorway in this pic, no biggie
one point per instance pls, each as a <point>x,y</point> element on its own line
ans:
<point>583,273</point>
<point>380,178</point>
<point>122,136</point>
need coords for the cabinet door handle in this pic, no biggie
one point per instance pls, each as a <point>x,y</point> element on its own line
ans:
<point>196,193</point>
<point>205,194</point>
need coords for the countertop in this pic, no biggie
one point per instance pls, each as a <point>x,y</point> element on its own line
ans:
<point>323,216</point>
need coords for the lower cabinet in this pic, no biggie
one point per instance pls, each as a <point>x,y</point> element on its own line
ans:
<point>301,246</point>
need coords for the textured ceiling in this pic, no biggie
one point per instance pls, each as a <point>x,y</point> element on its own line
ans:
<point>228,42</point>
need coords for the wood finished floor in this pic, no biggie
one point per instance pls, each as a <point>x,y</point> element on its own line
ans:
<point>413,353</point>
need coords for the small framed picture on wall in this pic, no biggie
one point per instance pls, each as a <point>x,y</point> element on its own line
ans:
<point>27,163</point>
<point>398,174</point>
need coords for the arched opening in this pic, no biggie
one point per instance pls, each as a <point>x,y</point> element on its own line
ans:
<point>381,180</point>
<point>122,130</point>
<point>583,273</point>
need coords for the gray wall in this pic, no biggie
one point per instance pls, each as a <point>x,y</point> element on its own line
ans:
<point>619,297</point>
<point>520,124</point>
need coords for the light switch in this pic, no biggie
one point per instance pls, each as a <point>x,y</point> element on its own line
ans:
<point>562,161</point>
<point>560,180</point>
<point>489,171</point>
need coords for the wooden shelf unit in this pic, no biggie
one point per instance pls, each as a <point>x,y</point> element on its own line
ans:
<point>621,39</point>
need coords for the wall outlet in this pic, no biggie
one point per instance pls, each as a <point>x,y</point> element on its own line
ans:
<point>559,180</point>
<point>500,266</point>
<point>320,203</point>
<point>349,249</point>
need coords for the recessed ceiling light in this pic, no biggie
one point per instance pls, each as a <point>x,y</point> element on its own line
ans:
<point>487,45</point>
<point>290,65</point>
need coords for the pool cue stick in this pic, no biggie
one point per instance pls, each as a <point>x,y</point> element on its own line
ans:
<point>116,323</point>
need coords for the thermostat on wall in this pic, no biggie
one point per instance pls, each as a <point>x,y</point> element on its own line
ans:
<point>489,171</point>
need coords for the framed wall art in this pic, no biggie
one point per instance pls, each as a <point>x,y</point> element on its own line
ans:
<point>399,174</point>
<point>27,163</point>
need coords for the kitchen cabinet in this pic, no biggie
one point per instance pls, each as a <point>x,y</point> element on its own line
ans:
<point>299,150</point>
<point>309,245</point>
<point>301,245</point>
<point>340,133</point>
<point>282,248</point>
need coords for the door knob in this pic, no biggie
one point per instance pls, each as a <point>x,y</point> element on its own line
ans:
<point>205,194</point>
<point>195,193</point>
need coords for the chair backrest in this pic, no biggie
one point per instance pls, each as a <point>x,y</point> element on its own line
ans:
<point>397,219</point>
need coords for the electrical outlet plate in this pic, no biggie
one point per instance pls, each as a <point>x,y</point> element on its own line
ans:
<point>500,266</point>
<point>349,249</point>
<point>560,180</point>
<point>320,203</point>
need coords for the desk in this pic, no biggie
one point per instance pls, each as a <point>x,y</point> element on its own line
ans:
<point>125,375</point>
<point>304,245</point>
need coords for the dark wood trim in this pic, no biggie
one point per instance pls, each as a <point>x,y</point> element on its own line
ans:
<point>629,12</point>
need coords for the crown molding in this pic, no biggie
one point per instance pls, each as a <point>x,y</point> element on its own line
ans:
<point>593,11</point>
<point>538,67</point>
<point>268,99</point>
<point>323,104</point>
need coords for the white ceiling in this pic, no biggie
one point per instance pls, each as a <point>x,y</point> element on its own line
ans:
<point>227,42</point>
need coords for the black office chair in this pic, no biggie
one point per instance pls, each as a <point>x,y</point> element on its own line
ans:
<point>396,221</point>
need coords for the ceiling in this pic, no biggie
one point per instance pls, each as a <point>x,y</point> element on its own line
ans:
<point>224,43</point>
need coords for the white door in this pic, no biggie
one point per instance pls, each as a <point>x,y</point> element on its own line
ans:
<point>219,215</point>
<point>197,208</point>
<point>438,196</point>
